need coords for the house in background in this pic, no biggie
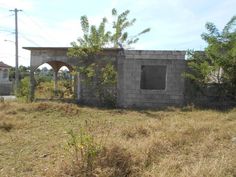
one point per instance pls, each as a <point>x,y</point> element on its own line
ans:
<point>5,84</point>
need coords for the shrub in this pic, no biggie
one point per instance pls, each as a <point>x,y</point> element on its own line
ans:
<point>90,158</point>
<point>85,151</point>
<point>24,89</point>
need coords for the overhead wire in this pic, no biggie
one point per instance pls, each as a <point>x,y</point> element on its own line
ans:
<point>8,31</point>
<point>6,16</point>
<point>36,24</point>
<point>28,39</point>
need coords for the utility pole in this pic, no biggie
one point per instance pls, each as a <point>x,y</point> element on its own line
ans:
<point>16,43</point>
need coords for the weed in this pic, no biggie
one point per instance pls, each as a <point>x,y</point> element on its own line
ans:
<point>85,150</point>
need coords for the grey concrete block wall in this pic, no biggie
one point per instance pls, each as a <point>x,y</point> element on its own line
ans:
<point>129,67</point>
<point>6,88</point>
<point>88,92</point>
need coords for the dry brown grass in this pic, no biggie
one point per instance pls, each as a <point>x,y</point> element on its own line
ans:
<point>172,142</point>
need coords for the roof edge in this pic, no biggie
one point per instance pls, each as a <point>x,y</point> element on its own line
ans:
<point>105,49</point>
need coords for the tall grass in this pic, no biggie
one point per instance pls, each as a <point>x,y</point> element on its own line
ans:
<point>116,143</point>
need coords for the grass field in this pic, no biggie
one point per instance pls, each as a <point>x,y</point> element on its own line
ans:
<point>129,143</point>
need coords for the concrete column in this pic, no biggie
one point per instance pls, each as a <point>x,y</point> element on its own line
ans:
<point>76,86</point>
<point>56,67</point>
<point>55,81</point>
<point>32,85</point>
<point>120,79</point>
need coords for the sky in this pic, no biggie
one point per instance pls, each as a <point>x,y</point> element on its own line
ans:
<point>175,24</point>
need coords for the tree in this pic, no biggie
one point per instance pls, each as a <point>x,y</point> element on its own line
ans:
<point>102,75</point>
<point>94,38</point>
<point>23,71</point>
<point>120,37</point>
<point>218,61</point>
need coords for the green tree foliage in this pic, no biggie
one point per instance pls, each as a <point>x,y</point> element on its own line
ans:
<point>96,38</point>
<point>23,70</point>
<point>120,37</point>
<point>217,64</point>
<point>93,39</point>
<point>24,89</point>
<point>102,74</point>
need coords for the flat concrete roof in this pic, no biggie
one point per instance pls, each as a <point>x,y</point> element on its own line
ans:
<point>63,48</point>
<point>108,49</point>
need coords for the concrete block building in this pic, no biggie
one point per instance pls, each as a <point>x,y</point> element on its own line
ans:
<point>5,84</point>
<point>146,78</point>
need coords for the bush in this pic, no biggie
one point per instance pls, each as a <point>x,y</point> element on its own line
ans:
<point>91,159</point>
<point>24,89</point>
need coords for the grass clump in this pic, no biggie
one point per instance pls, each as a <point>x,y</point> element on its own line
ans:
<point>136,131</point>
<point>91,158</point>
<point>85,151</point>
<point>6,126</point>
<point>65,109</point>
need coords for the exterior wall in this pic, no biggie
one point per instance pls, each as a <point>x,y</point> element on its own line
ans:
<point>88,93</point>
<point>4,75</point>
<point>40,56</point>
<point>128,64</point>
<point>57,57</point>
<point>5,84</point>
<point>129,67</point>
<point>6,88</point>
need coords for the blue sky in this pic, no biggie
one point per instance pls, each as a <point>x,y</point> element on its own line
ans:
<point>175,24</point>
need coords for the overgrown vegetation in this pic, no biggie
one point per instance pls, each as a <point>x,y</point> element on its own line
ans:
<point>125,143</point>
<point>23,91</point>
<point>99,72</point>
<point>45,86</point>
<point>216,66</point>
<point>45,89</point>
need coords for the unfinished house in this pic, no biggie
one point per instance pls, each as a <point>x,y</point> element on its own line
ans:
<point>146,78</point>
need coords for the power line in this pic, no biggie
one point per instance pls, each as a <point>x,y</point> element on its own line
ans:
<point>36,24</point>
<point>29,40</point>
<point>6,16</point>
<point>39,35</point>
<point>3,30</point>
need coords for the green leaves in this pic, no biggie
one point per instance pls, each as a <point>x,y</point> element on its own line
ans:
<point>95,38</point>
<point>120,36</point>
<point>84,24</point>
<point>109,75</point>
<point>218,64</point>
<point>100,75</point>
<point>230,26</point>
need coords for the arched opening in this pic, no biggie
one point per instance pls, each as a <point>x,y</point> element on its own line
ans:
<point>54,80</point>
